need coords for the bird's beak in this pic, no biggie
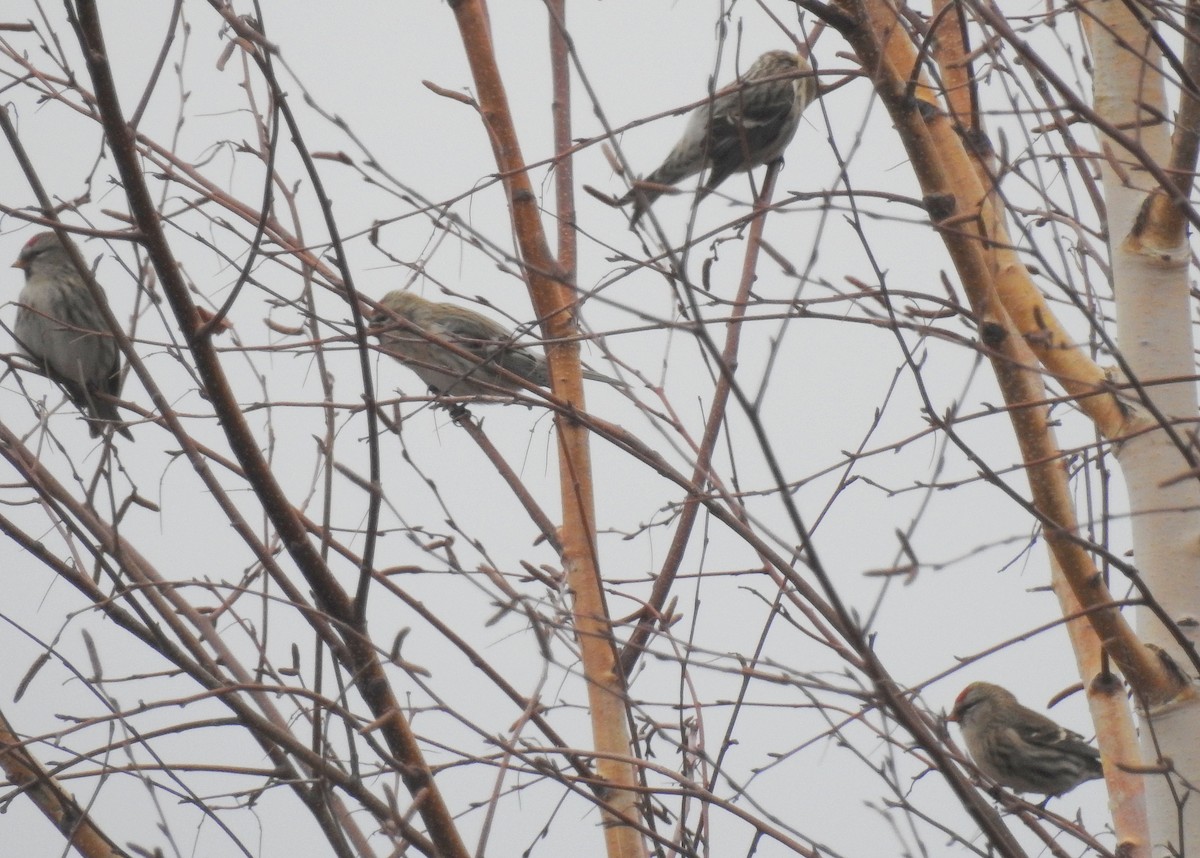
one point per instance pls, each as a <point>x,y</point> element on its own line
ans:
<point>20,263</point>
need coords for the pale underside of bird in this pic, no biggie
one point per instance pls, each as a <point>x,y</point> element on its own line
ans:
<point>1020,748</point>
<point>62,330</point>
<point>749,125</point>
<point>456,351</point>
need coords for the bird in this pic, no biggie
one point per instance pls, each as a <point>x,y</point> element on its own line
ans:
<point>446,372</point>
<point>1019,748</point>
<point>738,131</point>
<point>60,327</point>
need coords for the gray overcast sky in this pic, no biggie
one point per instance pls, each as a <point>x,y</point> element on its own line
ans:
<point>365,63</point>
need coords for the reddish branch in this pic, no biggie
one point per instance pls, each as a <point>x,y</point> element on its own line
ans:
<point>551,289</point>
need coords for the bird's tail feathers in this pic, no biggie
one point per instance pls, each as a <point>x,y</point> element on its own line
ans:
<point>599,376</point>
<point>663,180</point>
<point>642,196</point>
<point>99,412</point>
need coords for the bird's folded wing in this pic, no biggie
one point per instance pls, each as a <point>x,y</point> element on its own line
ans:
<point>741,135</point>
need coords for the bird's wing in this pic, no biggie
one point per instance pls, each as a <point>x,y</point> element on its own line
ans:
<point>473,333</point>
<point>1047,734</point>
<point>111,383</point>
<point>750,127</point>
<point>519,360</point>
<point>493,344</point>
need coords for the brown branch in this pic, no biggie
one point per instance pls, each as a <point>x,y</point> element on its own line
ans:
<point>473,428</point>
<point>948,30</point>
<point>953,193</point>
<point>945,174</point>
<point>59,806</point>
<point>1109,708</point>
<point>1165,223</point>
<point>564,164</point>
<point>702,470</point>
<point>366,668</point>
<point>551,289</point>
<point>269,729</point>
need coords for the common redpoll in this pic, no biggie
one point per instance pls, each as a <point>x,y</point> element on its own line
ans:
<point>738,131</point>
<point>60,327</point>
<point>1019,748</point>
<point>447,372</point>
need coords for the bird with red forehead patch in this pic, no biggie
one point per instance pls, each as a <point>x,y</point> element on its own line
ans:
<point>1019,748</point>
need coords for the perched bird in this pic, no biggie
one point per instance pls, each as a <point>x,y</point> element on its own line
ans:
<point>1019,748</point>
<point>737,131</point>
<point>60,327</point>
<point>447,372</point>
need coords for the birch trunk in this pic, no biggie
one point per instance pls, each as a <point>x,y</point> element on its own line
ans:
<point>1150,280</point>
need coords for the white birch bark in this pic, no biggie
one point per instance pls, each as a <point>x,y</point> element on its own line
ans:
<point>1154,333</point>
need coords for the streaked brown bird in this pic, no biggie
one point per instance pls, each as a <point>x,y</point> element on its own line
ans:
<point>1019,748</point>
<point>60,327</point>
<point>738,131</point>
<point>488,346</point>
